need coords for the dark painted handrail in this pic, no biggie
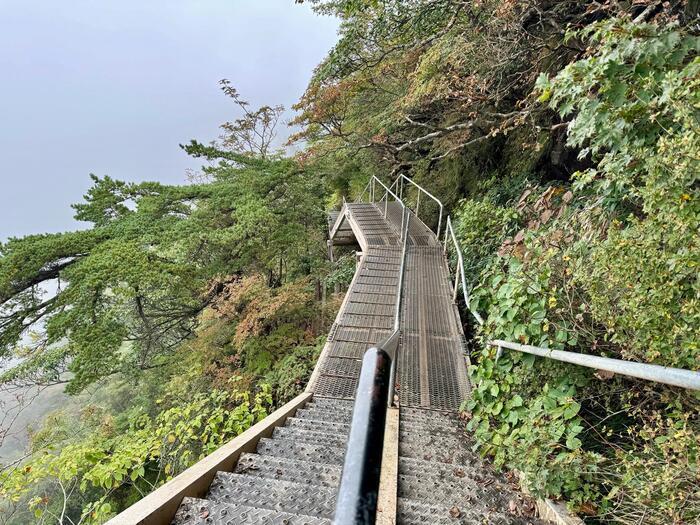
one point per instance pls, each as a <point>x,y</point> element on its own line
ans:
<point>359,485</point>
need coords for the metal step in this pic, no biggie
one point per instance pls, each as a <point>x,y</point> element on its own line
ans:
<point>324,415</point>
<point>437,454</point>
<point>468,494</point>
<point>433,440</point>
<point>429,426</point>
<point>435,472</point>
<point>412,512</point>
<point>339,405</point>
<point>285,496</point>
<point>273,467</point>
<point>195,511</point>
<point>340,429</point>
<point>428,417</point>
<point>330,402</point>
<point>301,451</point>
<point>308,436</point>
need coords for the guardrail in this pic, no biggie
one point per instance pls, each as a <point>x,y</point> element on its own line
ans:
<point>400,184</point>
<point>666,375</point>
<point>359,484</point>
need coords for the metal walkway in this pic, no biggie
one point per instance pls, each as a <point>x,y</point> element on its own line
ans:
<point>431,361</point>
<point>287,469</point>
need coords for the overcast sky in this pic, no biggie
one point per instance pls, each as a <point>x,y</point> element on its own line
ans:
<point>112,87</point>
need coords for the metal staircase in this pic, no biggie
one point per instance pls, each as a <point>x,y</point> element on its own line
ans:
<point>375,437</point>
<point>291,479</point>
<point>400,304</point>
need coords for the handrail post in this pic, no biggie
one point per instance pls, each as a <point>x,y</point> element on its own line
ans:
<point>454,293</point>
<point>418,204</point>
<point>437,232</point>
<point>444,241</point>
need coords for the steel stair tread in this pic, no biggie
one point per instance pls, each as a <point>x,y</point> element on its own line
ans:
<point>320,426</point>
<point>433,439</point>
<point>343,409</point>
<point>411,512</point>
<point>446,456</point>
<point>462,493</point>
<point>275,467</point>
<point>309,436</point>
<point>284,496</point>
<point>324,415</point>
<point>330,401</point>
<point>194,511</point>
<point>439,472</point>
<point>302,451</point>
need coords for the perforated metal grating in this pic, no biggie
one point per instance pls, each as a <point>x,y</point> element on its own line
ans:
<point>431,369</point>
<point>432,364</point>
<point>367,316</point>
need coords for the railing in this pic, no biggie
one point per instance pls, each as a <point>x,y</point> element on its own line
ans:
<point>400,183</point>
<point>459,269</point>
<point>660,374</point>
<point>359,485</point>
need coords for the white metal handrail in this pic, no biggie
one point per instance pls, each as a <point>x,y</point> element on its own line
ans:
<point>393,340</point>
<point>459,270</point>
<point>660,374</point>
<point>399,182</point>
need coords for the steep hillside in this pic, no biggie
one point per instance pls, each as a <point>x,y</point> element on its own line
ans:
<point>564,138</point>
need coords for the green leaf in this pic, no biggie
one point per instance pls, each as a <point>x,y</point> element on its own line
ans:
<point>571,410</point>
<point>573,443</point>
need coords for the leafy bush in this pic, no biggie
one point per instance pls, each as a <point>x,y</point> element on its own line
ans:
<point>612,269</point>
<point>108,466</point>
<point>480,228</point>
<point>291,373</point>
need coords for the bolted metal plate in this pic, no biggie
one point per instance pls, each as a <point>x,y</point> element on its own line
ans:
<point>301,451</point>
<point>325,426</point>
<point>310,436</point>
<point>336,416</point>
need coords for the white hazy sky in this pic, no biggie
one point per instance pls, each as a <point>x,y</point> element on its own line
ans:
<point>112,87</point>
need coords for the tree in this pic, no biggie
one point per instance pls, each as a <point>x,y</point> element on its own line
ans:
<point>132,287</point>
<point>253,133</point>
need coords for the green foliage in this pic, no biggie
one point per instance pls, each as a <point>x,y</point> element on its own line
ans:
<point>645,80</point>
<point>480,228</point>
<point>131,288</point>
<point>108,467</point>
<point>343,271</point>
<point>289,376</point>
<point>643,128</point>
<point>609,269</point>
